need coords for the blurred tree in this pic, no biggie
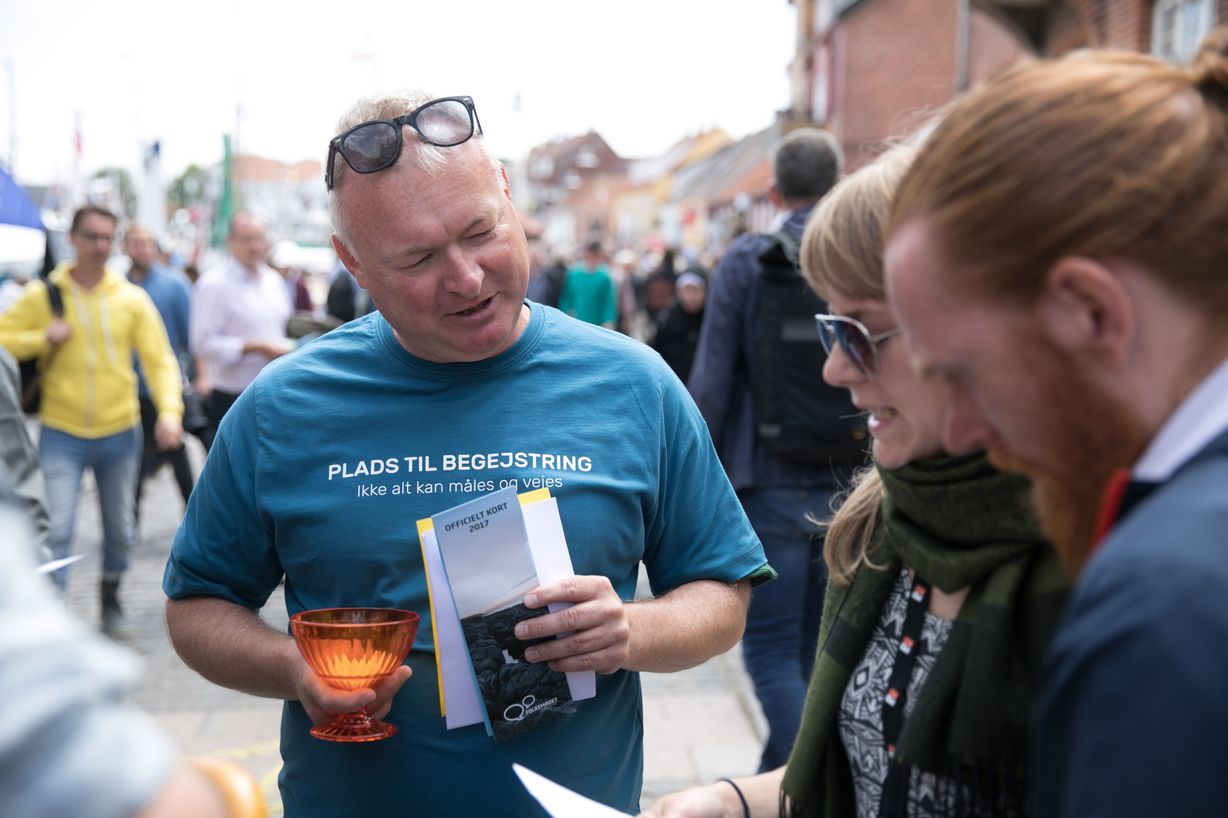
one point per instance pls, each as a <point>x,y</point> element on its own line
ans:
<point>225,208</point>
<point>188,188</point>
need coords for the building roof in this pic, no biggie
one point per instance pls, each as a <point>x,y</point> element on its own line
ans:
<point>587,152</point>
<point>743,167</point>
<point>250,168</point>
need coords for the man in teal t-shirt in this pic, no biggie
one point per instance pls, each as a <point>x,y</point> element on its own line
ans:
<point>588,290</point>
<point>455,388</point>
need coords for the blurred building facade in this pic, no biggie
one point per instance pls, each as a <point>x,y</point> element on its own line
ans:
<point>290,197</point>
<point>869,70</point>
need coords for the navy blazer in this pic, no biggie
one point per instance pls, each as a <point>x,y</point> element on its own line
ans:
<point>1133,714</point>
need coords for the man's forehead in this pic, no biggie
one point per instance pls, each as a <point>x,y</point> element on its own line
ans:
<point>398,215</point>
<point>97,221</point>
<point>943,331</point>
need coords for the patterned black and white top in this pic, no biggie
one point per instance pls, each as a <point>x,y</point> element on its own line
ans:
<point>860,718</point>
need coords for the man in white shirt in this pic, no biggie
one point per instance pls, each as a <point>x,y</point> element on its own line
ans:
<point>239,313</point>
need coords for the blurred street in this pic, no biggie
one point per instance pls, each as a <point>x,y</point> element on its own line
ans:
<point>700,724</point>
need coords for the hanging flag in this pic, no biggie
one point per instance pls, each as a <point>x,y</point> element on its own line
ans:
<point>224,210</point>
<point>151,208</point>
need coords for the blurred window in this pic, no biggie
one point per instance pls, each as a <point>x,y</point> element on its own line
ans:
<point>1178,26</point>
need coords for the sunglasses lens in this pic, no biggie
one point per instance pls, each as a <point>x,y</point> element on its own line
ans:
<point>857,345</point>
<point>445,123</point>
<point>371,147</point>
<point>826,335</point>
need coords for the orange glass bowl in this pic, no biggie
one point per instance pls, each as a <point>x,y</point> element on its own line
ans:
<point>353,648</point>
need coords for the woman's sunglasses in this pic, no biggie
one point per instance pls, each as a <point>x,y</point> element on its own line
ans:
<point>852,336</point>
<point>375,145</point>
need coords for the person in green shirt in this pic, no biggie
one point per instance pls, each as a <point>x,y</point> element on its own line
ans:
<point>588,290</point>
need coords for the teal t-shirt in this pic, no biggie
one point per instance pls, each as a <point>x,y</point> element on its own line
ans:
<point>589,295</point>
<point>326,461</point>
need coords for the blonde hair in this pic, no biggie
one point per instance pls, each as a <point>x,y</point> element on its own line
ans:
<point>842,256</point>
<point>1101,154</point>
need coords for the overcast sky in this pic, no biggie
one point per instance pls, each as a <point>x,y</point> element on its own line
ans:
<point>643,73</point>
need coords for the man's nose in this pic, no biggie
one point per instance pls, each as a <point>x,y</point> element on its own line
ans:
<point>965,428</point>
<point>464,274</point>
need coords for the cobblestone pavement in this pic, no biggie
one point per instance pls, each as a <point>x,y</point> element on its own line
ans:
<point>699,724</point>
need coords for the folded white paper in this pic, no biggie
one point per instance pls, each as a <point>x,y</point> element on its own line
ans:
<point>561,802</point>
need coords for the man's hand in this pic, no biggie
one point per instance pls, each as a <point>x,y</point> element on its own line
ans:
<point>269,349</point>
<point>168,434</point>
<point>599,636</point>
<point>58,331</point>
<point>323,702</point>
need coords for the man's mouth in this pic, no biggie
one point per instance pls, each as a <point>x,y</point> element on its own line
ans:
<point>475,309</point>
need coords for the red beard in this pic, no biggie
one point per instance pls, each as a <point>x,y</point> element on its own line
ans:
<point>1079,435</point>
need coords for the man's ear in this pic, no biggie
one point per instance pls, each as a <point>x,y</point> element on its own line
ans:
<point>1085,308</point>
<point>774,196</point>
<point>350,262</point>
<point>507,184</point>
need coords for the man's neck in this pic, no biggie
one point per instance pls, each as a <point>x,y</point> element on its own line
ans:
<point>138,274</point>
<point>251,271</point>
<point>87,278</point>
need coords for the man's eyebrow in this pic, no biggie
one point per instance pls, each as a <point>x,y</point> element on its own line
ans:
<point>408,252</point>
<point>405,253</point>
<point>483,218</point>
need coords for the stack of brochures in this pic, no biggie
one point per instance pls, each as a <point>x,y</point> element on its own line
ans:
<point>481,558</point>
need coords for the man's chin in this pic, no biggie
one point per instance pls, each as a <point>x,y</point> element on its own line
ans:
<point>1003,459</point>
<point>1065,501</point>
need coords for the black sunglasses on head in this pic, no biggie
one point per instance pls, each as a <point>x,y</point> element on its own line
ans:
<point>852,336</point>
<point>375,145</point>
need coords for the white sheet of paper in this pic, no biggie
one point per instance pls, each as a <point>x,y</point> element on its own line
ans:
<point>459,692</point>
<point>561,802</point>
<point>55,565</point>
<point>552,561</point>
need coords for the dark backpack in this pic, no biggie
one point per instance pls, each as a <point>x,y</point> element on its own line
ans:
<point>32,370</point>
<point>801,417</point>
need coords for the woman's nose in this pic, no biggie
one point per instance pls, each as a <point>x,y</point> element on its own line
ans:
<point>839,369</point>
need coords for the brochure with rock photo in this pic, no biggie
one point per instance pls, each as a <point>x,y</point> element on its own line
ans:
<point>484,547</point>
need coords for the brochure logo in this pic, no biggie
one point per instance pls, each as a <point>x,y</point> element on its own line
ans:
<point>527,707</point>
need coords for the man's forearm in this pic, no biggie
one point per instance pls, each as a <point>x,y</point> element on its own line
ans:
<point>686,626</point>
<point>231,646</point>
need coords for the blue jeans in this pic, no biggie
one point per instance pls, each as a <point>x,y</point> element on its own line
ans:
<point>782,626</point>
<point>114,460</point>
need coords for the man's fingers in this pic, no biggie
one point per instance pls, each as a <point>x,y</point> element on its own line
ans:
<point>386,690</point>
<point>570,589</point>
<point>576,617</point>
<point>589,641</point>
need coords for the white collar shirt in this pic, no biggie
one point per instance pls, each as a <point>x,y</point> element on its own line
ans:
<point>1200,418</point>
<point>232,306</point>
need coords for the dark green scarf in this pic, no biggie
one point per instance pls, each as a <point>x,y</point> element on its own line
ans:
<point>958,523</point>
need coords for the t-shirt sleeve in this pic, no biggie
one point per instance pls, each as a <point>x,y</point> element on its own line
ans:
<point>698,529</point>
<point>225,546</point>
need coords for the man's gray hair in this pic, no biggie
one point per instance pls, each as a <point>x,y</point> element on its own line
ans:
<point>807,164</point>
<point>431,158</point>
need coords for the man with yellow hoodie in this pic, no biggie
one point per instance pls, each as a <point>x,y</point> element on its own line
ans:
<point>89,409</point>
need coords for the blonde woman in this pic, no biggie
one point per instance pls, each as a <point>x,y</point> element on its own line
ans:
<point>943,592</point>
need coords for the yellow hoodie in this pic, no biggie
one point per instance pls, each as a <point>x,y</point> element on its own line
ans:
<point>89,390</point>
